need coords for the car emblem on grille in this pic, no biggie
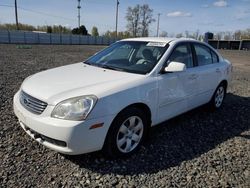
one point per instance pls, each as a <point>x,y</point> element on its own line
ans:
<point>25,101</point>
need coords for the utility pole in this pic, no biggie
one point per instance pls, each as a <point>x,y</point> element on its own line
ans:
<point>17,27</point>
<point>158,25</point>
<point>79,16</point>
<point>116,19</point>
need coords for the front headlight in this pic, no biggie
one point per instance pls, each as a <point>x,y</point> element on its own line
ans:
<point>76,108</point>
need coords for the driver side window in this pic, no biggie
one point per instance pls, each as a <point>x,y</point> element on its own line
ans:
<point>182,54</point>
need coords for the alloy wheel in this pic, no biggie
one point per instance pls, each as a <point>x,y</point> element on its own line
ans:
<point>219,96</point>
<point>129,134</point>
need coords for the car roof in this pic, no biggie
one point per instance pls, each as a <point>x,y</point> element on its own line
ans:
<point>158,39</point>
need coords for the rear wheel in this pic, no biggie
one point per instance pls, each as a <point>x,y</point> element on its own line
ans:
<point>126,133</point>
<point>218,97</point>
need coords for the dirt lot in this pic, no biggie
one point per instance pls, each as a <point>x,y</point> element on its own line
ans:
<point>197,149</point>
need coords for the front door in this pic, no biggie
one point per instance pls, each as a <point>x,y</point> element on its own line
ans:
<point>177,88</point>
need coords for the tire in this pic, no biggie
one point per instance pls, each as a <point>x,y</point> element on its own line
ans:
<point>218,97</point>
<point>126,133</point>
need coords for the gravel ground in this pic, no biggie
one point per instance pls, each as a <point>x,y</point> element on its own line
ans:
<point>196,149</point>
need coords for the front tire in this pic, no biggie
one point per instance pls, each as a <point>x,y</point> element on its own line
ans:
<point>126,134</point>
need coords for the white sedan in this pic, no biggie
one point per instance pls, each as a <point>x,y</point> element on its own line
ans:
<point>111,100</point>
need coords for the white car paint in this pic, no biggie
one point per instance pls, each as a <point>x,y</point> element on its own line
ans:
<point>166,95</point>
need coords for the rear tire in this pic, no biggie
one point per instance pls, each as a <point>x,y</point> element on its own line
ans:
<point>218,97</point>
<point>126,134</point>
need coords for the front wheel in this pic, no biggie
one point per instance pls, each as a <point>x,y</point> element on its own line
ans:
<point>126,133</point>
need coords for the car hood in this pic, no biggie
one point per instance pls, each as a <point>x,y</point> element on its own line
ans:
<point>74,80</point>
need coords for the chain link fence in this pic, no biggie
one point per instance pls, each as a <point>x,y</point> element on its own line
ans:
<point>29,37</point>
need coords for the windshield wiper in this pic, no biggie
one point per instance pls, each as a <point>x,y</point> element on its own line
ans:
<point>86,62</point>
<point>105,66</point>
<point>90,63</point>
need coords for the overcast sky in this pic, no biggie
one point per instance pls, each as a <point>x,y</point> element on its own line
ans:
<point>176,15</point>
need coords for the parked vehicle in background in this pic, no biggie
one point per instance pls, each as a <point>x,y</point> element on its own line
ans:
<point>111,100</point>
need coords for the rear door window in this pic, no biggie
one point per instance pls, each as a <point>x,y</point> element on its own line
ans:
<point>215,57</point>
<point>203,55</point>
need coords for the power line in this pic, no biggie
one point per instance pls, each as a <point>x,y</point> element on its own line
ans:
<point>108,26</point>
<point>37,12</point>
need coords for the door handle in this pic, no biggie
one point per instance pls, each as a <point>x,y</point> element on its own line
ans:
<point>218,70</point>
<point>193,76</point>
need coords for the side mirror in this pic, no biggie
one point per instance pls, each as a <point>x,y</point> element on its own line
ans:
<point>175,67</point>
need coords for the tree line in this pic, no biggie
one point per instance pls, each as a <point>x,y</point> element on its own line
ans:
<point>139,18</point>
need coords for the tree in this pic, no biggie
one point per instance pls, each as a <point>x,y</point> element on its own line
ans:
<point>123,34</point>
<point>237,35</point>
<point>218,36</point>
<point>24,27</point>
<point>133,19</point>
<point>49,29</point>
<point>179,35</point>
<point>139,18</point>
<point>80,31</point>
<point>228,35</point>
<point>246,34</point>
<point>146,19</point>
<point>94,31</point>
<point>200,38</point>
<point>120,35</point>
<point>110,34</point>
<point>196,34</point>
<point>54,29</point>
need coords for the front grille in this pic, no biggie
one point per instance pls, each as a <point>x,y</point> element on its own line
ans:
<point>32,104</point>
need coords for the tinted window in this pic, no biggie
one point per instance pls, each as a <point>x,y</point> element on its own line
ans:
<point>215,57</point>
<point>182,54</point>
<point>203,54</point>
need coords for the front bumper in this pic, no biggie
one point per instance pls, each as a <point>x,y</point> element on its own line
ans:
<point>64,136</point>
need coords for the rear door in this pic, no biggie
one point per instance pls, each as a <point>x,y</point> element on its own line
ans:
<point>209,72</point>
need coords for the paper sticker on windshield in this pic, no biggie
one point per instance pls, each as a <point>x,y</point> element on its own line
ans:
<point>157,44</point>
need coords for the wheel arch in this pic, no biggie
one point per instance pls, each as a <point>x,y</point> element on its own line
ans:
<point>141,106</point>
<point>225,83</point>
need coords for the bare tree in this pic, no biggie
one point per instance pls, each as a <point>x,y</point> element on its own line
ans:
<point>179,35</point>
<point>139,18</point>
<point>246,34</point>
<point>200,38</point>
<point>228,35</point>
<point>219,35</point>
<point>196,35</point>
<point>146,19</point>
<point>237,35</point>
<point>133,19</point>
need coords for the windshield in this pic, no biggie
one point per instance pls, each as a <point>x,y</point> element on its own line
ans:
<point>130,56</point>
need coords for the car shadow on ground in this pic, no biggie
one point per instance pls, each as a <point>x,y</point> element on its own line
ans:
<point>177,140</point>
